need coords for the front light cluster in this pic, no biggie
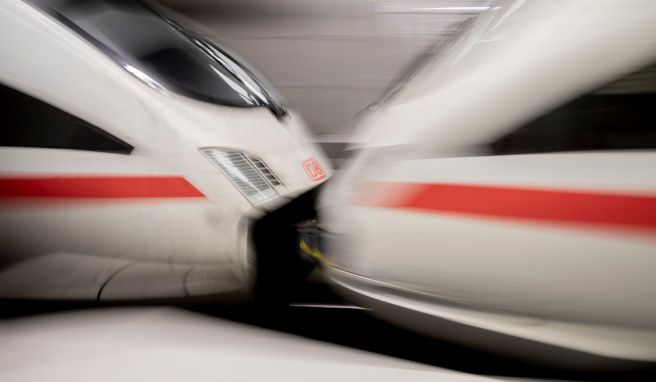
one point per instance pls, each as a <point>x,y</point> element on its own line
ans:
<point>248,173</point>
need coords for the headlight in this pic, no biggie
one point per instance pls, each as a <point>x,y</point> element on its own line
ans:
<point>248,173</point>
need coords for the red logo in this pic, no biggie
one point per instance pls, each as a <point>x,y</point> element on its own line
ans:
<point>313,169</point>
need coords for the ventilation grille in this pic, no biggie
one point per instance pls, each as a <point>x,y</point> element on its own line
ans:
<point>248,173</point>
<point>265,171</point>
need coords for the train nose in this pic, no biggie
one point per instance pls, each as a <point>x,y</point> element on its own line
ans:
<point>336,219</point>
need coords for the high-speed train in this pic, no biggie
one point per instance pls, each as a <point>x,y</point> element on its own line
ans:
<point>140,160</point>
<point>505,195</point>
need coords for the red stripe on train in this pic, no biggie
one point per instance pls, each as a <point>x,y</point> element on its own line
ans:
<point>549,205</point>
<point>100,187</point>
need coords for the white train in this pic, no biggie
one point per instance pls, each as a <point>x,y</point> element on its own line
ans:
<point>505,197</point>
<point>135,157</point>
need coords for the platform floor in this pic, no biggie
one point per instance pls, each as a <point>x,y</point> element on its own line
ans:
<point>324,341</point>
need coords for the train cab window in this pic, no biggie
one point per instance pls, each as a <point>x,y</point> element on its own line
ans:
<point>29,122</point>
<point>621,115</point>
<point>160,52</point>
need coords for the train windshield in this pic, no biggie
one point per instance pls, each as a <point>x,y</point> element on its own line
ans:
<point>160,52</point>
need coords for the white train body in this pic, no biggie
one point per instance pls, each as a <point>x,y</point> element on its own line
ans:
<point>506,195</point>
<point>141,209</point>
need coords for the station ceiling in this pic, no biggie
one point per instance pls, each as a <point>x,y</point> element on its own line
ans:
<point>330,59</point>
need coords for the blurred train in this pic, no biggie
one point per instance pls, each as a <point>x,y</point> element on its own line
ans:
<point>505,195</point>
<point>137,159</point>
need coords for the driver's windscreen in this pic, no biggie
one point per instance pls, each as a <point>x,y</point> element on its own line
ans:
<point>158,51</point>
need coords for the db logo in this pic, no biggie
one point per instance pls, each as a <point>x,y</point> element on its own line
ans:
<point>313,169</point>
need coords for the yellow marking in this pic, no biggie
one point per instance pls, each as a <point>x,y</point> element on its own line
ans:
<point>313,252</point>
